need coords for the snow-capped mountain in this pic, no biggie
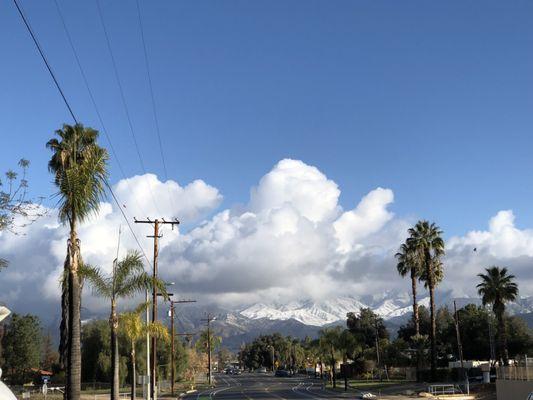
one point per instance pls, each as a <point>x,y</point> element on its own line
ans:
<point>306,312</point>
<point>387,306</point>
<point>330,311</point>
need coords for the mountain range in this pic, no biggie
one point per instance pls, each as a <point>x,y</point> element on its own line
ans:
<point>306,318</point>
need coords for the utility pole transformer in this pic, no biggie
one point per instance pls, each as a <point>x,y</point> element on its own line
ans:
<point>155,236</point>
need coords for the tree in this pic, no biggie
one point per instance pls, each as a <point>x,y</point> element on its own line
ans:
<point>127,279</point>
<point>14,202</point>
<point>367,327</point>
<point>224,357</point>
<point>79,167</point>
<point>346,343</point>
<point>96,351</point>
<point>497,287</point>
<point>197,364</point>
<point>428,246</point>
<point>202,342</point>
<point>134,328</point>
<point>22,346</point>
<point>329,341</point>
<point>49,355</point>
<point>409,264</point>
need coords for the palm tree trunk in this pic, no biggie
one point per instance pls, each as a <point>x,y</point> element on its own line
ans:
<point>345,372</point>
<point>133,371</point>
<point>63,327</point>
<point>502,339</point>
<point>415,302</point>
<point>433,330</point>
<point>333,377</point>
<point>113,321</point>
<point>74,318</point>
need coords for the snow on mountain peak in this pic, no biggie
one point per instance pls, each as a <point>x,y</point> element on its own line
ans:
<point>320,313</point>
<point>386,305</point>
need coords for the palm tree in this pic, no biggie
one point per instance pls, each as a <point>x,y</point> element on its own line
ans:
<point>127,279</point>
<point>428,246</point>
<point>407,264</point>
<point>497,288</point>
<point>134,328</point>
<point>346,343</point>
<point>79,166</point>
<point>329,341</point>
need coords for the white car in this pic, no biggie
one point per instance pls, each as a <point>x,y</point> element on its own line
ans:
<point>530,396</point>
<point>367,395</point>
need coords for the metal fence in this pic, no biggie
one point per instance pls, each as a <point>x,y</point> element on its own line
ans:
<point>519,370</point>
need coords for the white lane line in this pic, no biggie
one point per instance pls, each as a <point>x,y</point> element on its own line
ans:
<point>296,389</point>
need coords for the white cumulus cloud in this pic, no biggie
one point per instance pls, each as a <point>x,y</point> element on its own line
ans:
<point>290,240</point>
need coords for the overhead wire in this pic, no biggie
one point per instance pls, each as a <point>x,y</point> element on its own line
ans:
<point>30,30</point>
<point>152,98</point>
<point>58,86</point>
<point>124,103</point>
<point>96,108</point>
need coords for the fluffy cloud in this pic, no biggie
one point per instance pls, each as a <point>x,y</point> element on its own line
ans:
<point>290,240</point>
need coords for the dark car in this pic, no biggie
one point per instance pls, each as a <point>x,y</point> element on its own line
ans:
<point>282,373</point>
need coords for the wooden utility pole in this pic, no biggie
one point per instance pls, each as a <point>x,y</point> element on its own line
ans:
<point>208,320</point>
<point>155,236</point>
<point>172,334</point>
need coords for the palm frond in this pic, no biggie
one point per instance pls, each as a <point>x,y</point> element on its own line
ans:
<point>101,285</point>
<point>130,264</point>
<point>159,331</point>
<point>132,285</point>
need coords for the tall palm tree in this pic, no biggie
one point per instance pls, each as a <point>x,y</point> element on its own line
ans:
<point>428,246</point>
<point>79,167</point>
<point>134,328</point>
<point>408,264</point>
<point>497,287</point>
<point>127,279</point>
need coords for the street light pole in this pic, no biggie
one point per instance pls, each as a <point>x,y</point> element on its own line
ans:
<point>148,375</point>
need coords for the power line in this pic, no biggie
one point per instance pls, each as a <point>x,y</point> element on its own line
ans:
<point>123,98</point>
<point>128,222</point>
<point>156,120</point>
<point>44,59</point>
<point>35,41</point>
<point>86,81</point>
<point>152,98</point>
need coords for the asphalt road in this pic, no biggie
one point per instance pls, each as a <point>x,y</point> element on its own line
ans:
<point>264,386</point>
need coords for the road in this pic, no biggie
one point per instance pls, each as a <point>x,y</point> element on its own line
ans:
<point>265,386</point>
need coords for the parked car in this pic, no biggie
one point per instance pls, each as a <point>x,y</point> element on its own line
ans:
<point>261,370</point>
<point>282,373</point>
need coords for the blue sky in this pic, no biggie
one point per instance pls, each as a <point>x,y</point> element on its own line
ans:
<point>431,99</point>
